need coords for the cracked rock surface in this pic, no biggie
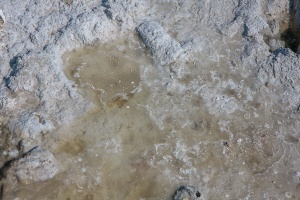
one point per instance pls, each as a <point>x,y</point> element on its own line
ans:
<point>37,165</point>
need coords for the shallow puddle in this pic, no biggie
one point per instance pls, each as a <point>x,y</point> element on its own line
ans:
<point>112,73</point>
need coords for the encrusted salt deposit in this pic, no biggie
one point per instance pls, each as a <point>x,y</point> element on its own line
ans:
<point>216,109</point>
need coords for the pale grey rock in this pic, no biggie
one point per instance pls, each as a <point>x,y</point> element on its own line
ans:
<point>29,125</point>
<point>274,27</point>
<point>126,14</point>
<point>230,28</point>
<point>283,69</point>
<point>254,25</point>
<point>275,44</point>
<point>4,66</point>
<point>163,47</point>
<point>37,165</point>
<point>251,13</point>
<point>33,73</point>
<point>277,8</point>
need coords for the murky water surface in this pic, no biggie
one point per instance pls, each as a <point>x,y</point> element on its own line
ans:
<point>146,138</point>
<point>111,72</point>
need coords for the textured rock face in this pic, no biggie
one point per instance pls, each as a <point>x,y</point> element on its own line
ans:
<point>283,69</point>
<point>163,47</point>
<point>37,165</point>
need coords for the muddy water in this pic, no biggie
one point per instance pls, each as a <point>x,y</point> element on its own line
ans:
<point>214,128</point>
<point>110,73</point>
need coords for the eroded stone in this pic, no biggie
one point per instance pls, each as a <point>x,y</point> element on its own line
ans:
<point>36,165</point>
<point>163,47</point>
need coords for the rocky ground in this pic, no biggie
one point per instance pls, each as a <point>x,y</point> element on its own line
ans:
<point>234,60</point>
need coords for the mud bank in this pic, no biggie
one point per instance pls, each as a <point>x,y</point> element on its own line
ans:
<point>134,99</point>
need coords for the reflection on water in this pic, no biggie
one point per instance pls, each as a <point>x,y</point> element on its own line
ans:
<point>119,151</point>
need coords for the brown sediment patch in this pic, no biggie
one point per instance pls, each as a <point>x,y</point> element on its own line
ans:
<point>109,72</point>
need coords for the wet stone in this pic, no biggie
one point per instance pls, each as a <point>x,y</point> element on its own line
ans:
<point>187,193</point>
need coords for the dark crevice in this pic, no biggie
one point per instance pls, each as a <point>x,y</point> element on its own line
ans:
<point>1,192</point>
<point>290,39</point>
<point>108,13</point>
<point>107,7</point>
<point>291,36</point>
<point>289,30</point>
<point>7,164</point>
<point>13,63</point>
<point>104,3</point>
<point>186,192</point>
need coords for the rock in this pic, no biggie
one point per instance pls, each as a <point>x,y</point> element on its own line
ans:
<point>283,69</point>
<point>187,193</point>
<point>29,125</point>
<point>274,27</point>
<point>254,25</point>
<point>164,49</point>
<point>36,165</point>
<point>252,20</point>
<point>275,44</point>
